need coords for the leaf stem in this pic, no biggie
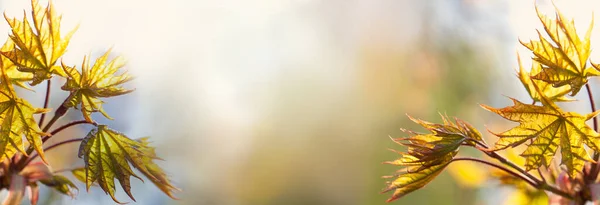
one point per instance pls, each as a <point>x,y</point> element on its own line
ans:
<point>70,124</point>
<point>66,170</point>
<point>537,182</point>
<point>592,104</point>
<point>532,183</point>
<point>61,111</point>
<point>46,102</point>
<point>54,146</point>
<point>595,169</point>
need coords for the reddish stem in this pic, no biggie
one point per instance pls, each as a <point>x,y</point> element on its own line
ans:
<point>61,128</point>
<point>533,184</point>
<point>595,169</point>
<point>54,146</point>
<point>46,102</point>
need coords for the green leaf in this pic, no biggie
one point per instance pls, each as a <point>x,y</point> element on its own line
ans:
<point>61,184</point>
<point>93,83</point>
<point>107,155</point>
<point>79,174</point>
<point>38,48</point>
<point>564,56</point>
<point>548,127</point>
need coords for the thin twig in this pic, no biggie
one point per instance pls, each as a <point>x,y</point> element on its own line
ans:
<point>595,169</point>
<point>538,183</point>
<point>61,128</point>
<point>46,102</point>
<point>511,172</point>
<point>67,170</point>
<point>54,146</point>
<point>541,175</point>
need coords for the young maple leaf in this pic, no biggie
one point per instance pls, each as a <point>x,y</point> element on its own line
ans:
<point>16,120</point>
<point>16,77</point>
<point>107,155</point>
<point>36,51</point>
<point>409,181</point>
<point>548,127</point>
<point>428,154</point>
<point>92,83</point>
<point>564,56</point>
<point>553,93</point>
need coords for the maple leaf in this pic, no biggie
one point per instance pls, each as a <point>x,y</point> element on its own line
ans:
<point>16,117</point>
<point>548,127</point>
<point>564,56</point>
<point>409,181</point>
<point>37,49</point>
<point>428,154</point>
<point>107,155</point>
<point>93,83</point>
<point>553,93</point>
<point>16,77</point>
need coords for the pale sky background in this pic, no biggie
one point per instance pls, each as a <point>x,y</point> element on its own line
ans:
<point>207,63</point>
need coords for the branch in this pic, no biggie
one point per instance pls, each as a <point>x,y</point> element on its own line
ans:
<point>532,183</point>
<point>538,183</point>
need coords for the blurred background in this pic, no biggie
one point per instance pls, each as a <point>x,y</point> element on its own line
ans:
<point>292,101</point>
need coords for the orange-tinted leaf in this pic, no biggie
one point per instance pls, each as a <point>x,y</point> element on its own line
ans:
<point>428,154</point>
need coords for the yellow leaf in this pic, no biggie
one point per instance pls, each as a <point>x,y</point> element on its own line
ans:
<point>555,94</point>
<point>548,127</point>
<point>90,84</point>
<point>523,197</point>
<point>412,180</point>
<point>37,48</point>
<point>564,56</point>
<point>79,174</point>
<point>16,77</point>
<point>468,174</point>
<point>17,120</point>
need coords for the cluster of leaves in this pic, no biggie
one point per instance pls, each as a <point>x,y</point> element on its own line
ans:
<point>30,56</point>
<point>560,67</point>
<point>428,154</point>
